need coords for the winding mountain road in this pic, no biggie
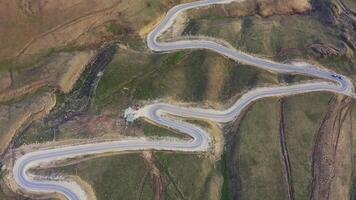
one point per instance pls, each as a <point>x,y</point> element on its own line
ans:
<point>162,113</point>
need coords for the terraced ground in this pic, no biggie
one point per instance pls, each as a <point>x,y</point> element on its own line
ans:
<point>200,77</point>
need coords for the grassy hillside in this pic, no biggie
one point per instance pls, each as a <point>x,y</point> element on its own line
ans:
<point>188,176</point>
<point>190,76</point>
<point>258,156</point>
<point>277,37</point>
<point>307,110</point>
<point>137,75</point>
<point>116,177</point>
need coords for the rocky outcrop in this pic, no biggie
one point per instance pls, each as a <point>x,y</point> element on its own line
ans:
<point>335,13</point>
<point>324,50</point>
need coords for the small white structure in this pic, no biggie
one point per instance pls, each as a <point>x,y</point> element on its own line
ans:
<point>129,115</point>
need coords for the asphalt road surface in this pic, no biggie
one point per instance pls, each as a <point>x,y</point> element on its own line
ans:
<point>163,114</point>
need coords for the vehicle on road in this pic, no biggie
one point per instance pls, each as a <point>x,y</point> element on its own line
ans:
<point>159,113</point>
<point>336,76</point>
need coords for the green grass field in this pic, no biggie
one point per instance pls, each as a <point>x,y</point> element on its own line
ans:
<point>259,153</point>
<point>218,27</point>
<point>307,110</point>
<point>284,37</point>
<point>243,77</point>
<point>187,176</point>
<point>115,177</point>
<point>151,130</point>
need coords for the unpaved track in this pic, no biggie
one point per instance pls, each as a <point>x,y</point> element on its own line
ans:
<point>157,113</point>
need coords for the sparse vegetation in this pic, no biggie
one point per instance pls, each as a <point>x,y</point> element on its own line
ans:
<point>350,3</point>
<point>3,196</point>
<point>114,29</point>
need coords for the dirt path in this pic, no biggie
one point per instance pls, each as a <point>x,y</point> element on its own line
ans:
<point>285,154</point>
<point>326,143</point>
<point>155,174</point>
